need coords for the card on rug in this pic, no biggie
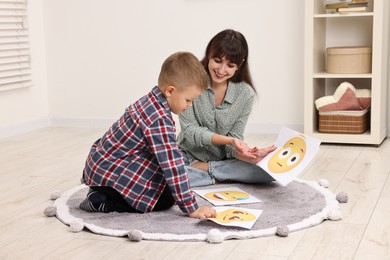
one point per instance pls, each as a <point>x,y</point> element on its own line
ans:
<point>226,196</point>
<point>237,217</point>
<point>294,153</point>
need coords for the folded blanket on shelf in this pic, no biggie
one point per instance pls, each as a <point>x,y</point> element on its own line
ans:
<point>346,97</point>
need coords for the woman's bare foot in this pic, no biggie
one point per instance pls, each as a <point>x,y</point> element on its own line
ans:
<point>204,166</point>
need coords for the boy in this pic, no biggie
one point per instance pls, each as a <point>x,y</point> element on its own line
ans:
<point>136,166</point>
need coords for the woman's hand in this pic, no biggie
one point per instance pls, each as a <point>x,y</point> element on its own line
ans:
<point>263,152</point>
<point>243,149</point>
<point>256,154</point>
<point>203,212</point>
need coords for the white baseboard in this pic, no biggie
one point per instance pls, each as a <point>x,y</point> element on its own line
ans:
<point>82,122</point>
<point>105,123</point>
<point>25,127</point>
<point>269,128</point>
<point>32,125</point>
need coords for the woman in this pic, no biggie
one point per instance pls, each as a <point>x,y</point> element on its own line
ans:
<point>211,136</point>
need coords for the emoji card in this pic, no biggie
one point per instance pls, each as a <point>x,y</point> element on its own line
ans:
<point>294,153</point>
<point>237,217</point>
<point>226,196</point>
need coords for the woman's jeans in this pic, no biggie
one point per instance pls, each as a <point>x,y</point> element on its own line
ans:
<point>231,170</point>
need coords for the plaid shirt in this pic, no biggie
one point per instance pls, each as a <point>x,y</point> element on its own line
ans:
<point>139,155</point>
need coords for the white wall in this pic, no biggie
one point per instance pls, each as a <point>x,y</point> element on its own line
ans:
<point>102,55</point>
<point>92,58</point>
<point>26,109</point>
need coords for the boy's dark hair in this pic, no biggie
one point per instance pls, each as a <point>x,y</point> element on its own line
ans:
<point>183,70</point>
<point>233,46</point>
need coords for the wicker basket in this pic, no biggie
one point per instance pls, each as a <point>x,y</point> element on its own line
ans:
<point>344,122</point>
<point>349,59</point>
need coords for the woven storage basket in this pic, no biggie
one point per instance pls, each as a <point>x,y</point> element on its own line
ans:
<point>344,122</point>
<point>352,59</point>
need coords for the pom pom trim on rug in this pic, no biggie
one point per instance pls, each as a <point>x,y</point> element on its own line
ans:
<point>134,235</point>
<point>342,197</point>
<point>214,236</point>
<point>334,215</point>
<point>55,194</point>
<point>282,230</point>
<point>330,211</point>
<point>50,211</point>
<point>324,183</point>
<point>77,225</point>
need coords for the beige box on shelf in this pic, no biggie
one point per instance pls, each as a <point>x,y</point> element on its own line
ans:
<point>348,59</point>
<point>344,122</point>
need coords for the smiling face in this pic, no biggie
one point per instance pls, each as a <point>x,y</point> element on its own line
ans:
<point>234,215</point>
<point>221,69</point>
<point>289,156</point>
<point>227,195</point>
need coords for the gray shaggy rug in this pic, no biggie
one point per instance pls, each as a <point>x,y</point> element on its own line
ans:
<point>301,204</point>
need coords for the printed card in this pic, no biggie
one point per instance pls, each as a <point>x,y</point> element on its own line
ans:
<point>226,196</point>
<point>237,217</point>
<point>294,153</point>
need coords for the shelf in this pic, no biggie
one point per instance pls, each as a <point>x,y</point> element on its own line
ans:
<point>343,15</point>
<point>325,75</point>
<point>323,30</point>
<point>364,138</point>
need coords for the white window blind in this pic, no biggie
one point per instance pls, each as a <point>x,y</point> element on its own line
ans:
<point>14,45</point>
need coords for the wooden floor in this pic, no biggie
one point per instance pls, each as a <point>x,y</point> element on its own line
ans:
<point>35,164</point>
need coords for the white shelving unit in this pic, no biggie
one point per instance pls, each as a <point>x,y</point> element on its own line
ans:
<point>323,30</point>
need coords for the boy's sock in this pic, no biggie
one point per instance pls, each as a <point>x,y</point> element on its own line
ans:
<point>95,202</point>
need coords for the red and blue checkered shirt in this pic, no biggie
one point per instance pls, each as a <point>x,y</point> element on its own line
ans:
<point>138,156</point>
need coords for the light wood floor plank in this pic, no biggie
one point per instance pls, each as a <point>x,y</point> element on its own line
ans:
<point>363,183</point>
<point>330,240</point>
<point>144,250</point>
<point>271,246</point>
<point>37,163</point>
<point>247,256</point>
<point>376,240</point>
<point>84,248</point>
<point>38,244</point>
<point>196,251</point>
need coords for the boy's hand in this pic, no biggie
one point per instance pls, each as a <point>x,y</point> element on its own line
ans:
<point>203,212</point>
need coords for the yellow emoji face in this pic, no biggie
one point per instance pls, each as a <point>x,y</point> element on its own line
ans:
<point>289,156</point>
<point>234,215</point>
<point>227,195</point>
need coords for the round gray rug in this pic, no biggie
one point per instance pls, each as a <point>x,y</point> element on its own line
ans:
<point>301,204</point>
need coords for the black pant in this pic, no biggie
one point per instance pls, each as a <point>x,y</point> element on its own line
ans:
<point>115,201</point>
